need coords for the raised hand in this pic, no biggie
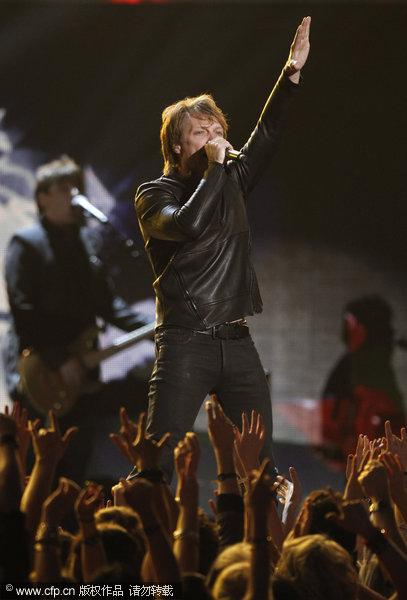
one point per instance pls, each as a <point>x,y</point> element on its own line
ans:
<point>397,445</point>
<point>136,445</point>
<point>222,435</point>
<point>60,502</point>
<point>220,427</point>
<point>289,493</point>
<point>88,502</point>
<point>249,443</point>
<point>366,450</point>
<point>260,489</point>
<point>49,444</point>
<point>186,456</point>
<point>373,480</point>
<point>138,494</point>
<point>352,517</point>
<point>299,50</point>
<point>23,432</point>
<point>396,478</point>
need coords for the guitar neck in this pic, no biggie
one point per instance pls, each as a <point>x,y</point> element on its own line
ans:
<point>93,358</point>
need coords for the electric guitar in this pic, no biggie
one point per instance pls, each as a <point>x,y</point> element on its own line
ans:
<point>45,388</point>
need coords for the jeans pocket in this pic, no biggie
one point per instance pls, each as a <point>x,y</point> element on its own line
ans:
<point>177,336</point>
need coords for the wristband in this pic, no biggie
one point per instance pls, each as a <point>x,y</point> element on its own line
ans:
<point>223,476</point>
<point>152,475</point>
<point>181,534</point>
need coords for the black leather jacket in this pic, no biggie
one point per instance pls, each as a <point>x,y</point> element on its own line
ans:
<point>197,234</point>
<point>57,286</point>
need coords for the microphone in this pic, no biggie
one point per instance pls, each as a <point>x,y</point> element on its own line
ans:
<point>234,154</point>
<point>83,202</point>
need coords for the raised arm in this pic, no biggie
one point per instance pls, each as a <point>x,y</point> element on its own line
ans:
<point>299,51</point>
<point>49,447</point>
<point>186,537</point>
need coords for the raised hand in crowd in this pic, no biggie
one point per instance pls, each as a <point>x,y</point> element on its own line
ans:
<point>23,432</point>
<point>374,482</point>
<point>47,566</point>
<point>353,517</point>
<point>289,494</point>
<point>49,447</point>
<point>14,543</point>
<point>396,445</point>
<point>249,443</point>
<point>222,436</point>
<point>11,481</point>
<point>186,457</point>
<point>93,556</point>
<point>303,521</point>
<point>397,483</point>
<point>260,493</point>
<point>159,563</point>
<point>143,452</point>
<point>365,450</point>
<point>136,445</point>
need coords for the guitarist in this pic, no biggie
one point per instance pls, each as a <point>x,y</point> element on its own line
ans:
<point>57,286</point>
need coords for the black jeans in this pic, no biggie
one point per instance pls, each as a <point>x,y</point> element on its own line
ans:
<point>190,365</point>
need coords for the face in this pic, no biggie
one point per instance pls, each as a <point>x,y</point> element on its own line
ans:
<point>197,132</point>
<point>56,205</point>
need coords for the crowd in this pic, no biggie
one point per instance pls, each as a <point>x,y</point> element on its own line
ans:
<point>331,545</point>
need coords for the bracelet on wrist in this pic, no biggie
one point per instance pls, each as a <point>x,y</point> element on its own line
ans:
<point>223,476</point>
<point>152,475</point>
<point>8,439</point>
<point>182,534</point>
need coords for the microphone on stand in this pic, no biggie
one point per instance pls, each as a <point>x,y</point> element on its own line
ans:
<point>234,154</point>
<point>83,202</point>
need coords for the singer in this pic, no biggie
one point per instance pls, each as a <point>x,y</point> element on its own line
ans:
<point>57,286</point>
<point>193,220</point>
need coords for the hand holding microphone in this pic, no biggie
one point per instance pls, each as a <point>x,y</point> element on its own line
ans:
<point>219,149</point>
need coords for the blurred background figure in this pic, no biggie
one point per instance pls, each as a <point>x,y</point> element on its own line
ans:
<point>361,391</point>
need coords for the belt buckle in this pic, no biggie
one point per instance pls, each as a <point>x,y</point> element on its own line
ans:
<point>213,332</point>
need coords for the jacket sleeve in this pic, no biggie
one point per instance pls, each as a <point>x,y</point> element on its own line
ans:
<point>162,217</point>
<point>264,140</point>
